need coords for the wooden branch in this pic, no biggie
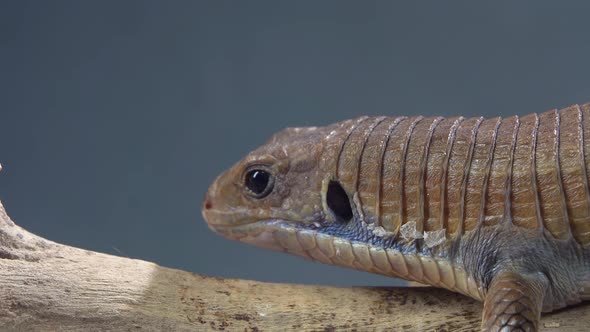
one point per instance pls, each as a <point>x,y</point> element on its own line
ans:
<point>46,286</point>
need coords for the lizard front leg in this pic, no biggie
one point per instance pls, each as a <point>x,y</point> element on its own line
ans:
<point>513,302</point>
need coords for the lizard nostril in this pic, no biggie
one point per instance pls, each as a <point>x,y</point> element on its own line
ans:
<point>208,204</point>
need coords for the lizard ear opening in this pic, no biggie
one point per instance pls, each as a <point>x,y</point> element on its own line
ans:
<point>338,201</point>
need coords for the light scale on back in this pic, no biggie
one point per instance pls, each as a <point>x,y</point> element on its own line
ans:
<point>496,209</point>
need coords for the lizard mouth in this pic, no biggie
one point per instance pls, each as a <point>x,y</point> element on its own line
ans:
<point>274,234</point>
<point>240,229</point>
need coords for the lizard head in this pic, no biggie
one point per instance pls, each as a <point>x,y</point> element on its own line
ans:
<point>274,192</point>
<point>297,193</point>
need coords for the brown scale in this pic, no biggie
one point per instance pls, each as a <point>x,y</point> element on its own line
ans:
<point>334,144</point>
<point>440,142</point>
<point>350,157</point>
<point>573,170</point>
<point>457,174</point>
<point>414,172</point>
<point>369,181</point>
<point>523,197</point>
<point>392,179</point>
<point>551,196</point>
<point>479,172</point>
<point>498,180</point>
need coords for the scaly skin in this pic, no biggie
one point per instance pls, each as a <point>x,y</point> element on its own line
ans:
<point>497,209</point>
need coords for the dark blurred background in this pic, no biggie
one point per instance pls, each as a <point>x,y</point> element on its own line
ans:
<point>116,115</point>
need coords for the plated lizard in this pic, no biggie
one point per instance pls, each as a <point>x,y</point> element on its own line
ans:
<point>496,209</point>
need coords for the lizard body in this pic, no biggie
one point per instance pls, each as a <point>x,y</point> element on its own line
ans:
<point>496,209</point>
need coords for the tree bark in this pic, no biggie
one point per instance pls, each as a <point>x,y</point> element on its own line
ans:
<point>46,286</point>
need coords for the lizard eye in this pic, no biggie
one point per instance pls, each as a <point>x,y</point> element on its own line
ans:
<point>259,182</point>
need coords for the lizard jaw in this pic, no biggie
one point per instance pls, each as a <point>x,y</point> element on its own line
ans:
<point>263,233</point>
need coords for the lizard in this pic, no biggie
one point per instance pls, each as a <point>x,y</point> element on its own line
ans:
<point>497,209</point>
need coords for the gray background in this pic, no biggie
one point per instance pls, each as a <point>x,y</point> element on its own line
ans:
<point>116,115</point>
